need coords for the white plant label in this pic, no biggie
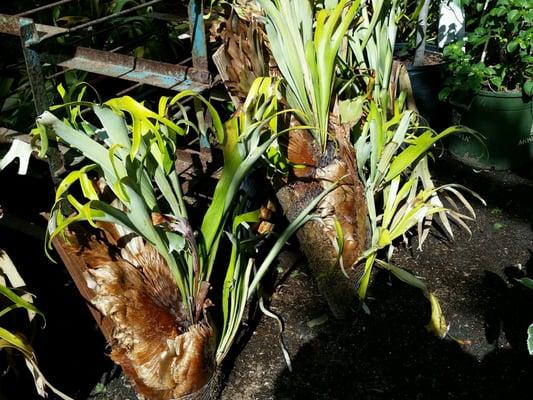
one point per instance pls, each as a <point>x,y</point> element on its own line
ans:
<point>451,22</point>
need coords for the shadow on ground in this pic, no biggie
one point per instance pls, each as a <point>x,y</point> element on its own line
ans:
<point>510,191</point>
<point>390,355</point>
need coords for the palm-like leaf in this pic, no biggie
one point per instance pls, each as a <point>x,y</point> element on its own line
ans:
<point>156,290</point>
<point>393,163</point>
<point>392,151</point>
<point>305,50</point>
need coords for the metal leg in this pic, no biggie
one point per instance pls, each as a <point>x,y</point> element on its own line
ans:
<point>29,37</point>
<point>199,49</point>
<point>199,54</point>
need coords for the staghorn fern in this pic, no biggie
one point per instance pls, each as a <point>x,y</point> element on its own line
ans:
<point>305,48</point>
<point>391,148</point>
<point>392,155</point>
<point>136,162</point>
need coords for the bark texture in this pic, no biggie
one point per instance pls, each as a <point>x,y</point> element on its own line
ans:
<point>160,350</point>
<point>245,55</point>
<point>336,278</point>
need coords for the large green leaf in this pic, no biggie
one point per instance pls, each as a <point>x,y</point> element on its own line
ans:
<point>89,147</point>
<point>296,36</point>
<point>114,125</point>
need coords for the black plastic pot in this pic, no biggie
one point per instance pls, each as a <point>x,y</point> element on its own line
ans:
<point>426,83</point>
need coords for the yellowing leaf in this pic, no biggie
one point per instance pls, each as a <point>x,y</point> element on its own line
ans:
<point>437,324</point>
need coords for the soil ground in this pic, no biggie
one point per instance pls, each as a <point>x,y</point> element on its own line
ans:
<point>387,354</point>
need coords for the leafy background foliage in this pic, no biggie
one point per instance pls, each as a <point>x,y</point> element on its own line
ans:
<point>497,51</point>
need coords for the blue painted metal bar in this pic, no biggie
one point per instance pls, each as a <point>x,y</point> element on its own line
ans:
<point>163,75</point>
<point>199,52</point>
<point>10,24</point>
<point>199,48</point>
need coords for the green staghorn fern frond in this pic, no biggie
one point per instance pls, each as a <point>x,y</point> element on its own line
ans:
<point>392,155</point>
<point>305,48</point>
<point>371,46</point>
<point>134,153</point>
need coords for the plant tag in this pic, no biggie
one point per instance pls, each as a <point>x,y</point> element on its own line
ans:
<point>451,22</point>
<point>20,150</point>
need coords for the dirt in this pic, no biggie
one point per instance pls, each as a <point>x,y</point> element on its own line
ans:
<point>387,354</point>
<point>113,386</point>
<point>430,58</point>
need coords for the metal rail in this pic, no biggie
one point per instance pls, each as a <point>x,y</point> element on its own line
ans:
<point>112,16</point>
<point>164,75</point>
<point>199,49</point>
<point>43,8</point>
<point>34,36</point>
<point>11,24</point>
<point>154,73</point>
<point>143,71</point>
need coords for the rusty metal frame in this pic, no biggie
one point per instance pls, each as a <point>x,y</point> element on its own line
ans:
<point>115,65</point>
<point>108,63</point>
<point>43,8</point>
<point>199,48</point>
<point>164,75</point>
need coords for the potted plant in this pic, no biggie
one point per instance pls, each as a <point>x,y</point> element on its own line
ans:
<point>346,91</point>
<point>423,63</point>
<point>153,274</point>
<point>490,81</point>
